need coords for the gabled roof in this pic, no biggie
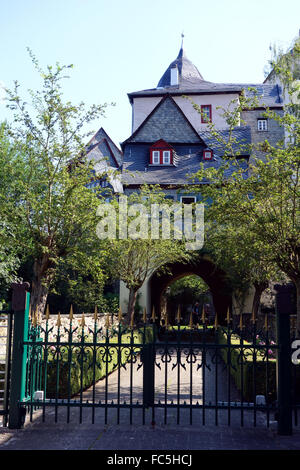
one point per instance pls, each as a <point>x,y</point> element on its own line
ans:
<point>111,150</point>
<point>167,122</point>
<point>161,144</point>
<point>103,156</point>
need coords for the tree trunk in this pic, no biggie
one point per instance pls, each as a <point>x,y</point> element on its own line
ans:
<point>259,288</point>
<point>40,285</point>
<point>131,303</point>
<point>39,294</point>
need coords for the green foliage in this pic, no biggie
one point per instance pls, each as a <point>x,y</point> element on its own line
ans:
<point>253,217</point>
<point>133,260</point>
<point>187,290</point>
<point>109,303</point>
<point>243,376</point>
<point>52,212</point>
<point>79,280</point>
<point>9,260</point>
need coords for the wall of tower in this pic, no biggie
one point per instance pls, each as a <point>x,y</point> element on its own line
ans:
<point>274,133</point>
<point>143,106</point>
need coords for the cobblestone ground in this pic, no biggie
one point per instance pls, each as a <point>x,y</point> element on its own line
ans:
<point>165,434</point>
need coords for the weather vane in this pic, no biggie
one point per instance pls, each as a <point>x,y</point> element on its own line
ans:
<point>182,36</point>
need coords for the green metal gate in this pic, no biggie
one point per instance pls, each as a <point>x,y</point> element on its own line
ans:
<point>81,368</point>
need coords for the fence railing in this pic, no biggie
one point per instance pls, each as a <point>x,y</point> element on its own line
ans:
<point>152,371</point>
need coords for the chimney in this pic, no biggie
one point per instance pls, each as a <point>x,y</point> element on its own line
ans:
<point>174,76</point>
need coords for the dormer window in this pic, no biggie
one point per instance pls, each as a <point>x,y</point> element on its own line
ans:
<point>161,153</point>
<point>206,113</point>
<point>207,154</point>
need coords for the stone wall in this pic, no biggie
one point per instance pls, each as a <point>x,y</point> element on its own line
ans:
<point>274,133</point>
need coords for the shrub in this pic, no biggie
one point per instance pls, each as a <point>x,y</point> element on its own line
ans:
<point>253,377</point>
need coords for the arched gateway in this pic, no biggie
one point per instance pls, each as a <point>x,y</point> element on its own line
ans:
<point>203,267</point>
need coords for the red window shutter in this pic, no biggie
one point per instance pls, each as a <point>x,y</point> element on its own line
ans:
<point>207,154</point>
<point>206,113</point>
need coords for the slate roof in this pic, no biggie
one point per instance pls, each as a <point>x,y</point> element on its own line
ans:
<point>188,74</point>
<point>269,95</point>
<point>167,122</point>
<point>101,145</point>
<point>187,159</point>
<point>191,82</point>
<point>240,141</point>
<point>187,166</point>
<point>107,157</point>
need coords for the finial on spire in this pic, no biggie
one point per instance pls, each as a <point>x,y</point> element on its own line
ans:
<point>182,37</point>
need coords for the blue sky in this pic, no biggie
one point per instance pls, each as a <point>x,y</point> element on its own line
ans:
<point>119,46</point>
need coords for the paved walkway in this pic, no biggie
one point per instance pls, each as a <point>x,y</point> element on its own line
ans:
<point>165,434</point>
<point>51,436</point>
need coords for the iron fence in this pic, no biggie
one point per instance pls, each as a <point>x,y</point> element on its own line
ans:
<point>196,373</point>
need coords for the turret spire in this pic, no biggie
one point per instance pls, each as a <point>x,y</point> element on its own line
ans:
<point>188,74</point>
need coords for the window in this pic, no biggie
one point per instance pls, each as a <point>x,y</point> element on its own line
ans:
<point>205,113</point>
<point>262,125</point>
<point>166,157</point>
<point>161,153</point>
<point>155,157</point>
<point>187,199</point>
<point>207,154</point>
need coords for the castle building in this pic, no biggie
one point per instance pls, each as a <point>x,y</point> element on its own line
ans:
<point>171,137</point>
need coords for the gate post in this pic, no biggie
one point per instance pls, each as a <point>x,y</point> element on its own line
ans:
<point>20,307</point>
<point>283,364</point>
<point>148,358</point>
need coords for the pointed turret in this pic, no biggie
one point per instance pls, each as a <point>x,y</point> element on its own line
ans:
<point>181,72</point>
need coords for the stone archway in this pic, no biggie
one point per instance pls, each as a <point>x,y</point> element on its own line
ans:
<point>214,277</point>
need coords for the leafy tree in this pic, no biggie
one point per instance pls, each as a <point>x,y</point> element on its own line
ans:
<point>235,250</point>
<point>187,291</point>
<point>79,280</point>
<point>9,260</point>
<point>135,260</point>
<point>264,205</point>
<point>53,210</point>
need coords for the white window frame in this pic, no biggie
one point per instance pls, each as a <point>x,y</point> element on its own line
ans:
<point>188,197</point>
<point>155,154</point>
<point>166,157</point>
<point>262,125</point>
